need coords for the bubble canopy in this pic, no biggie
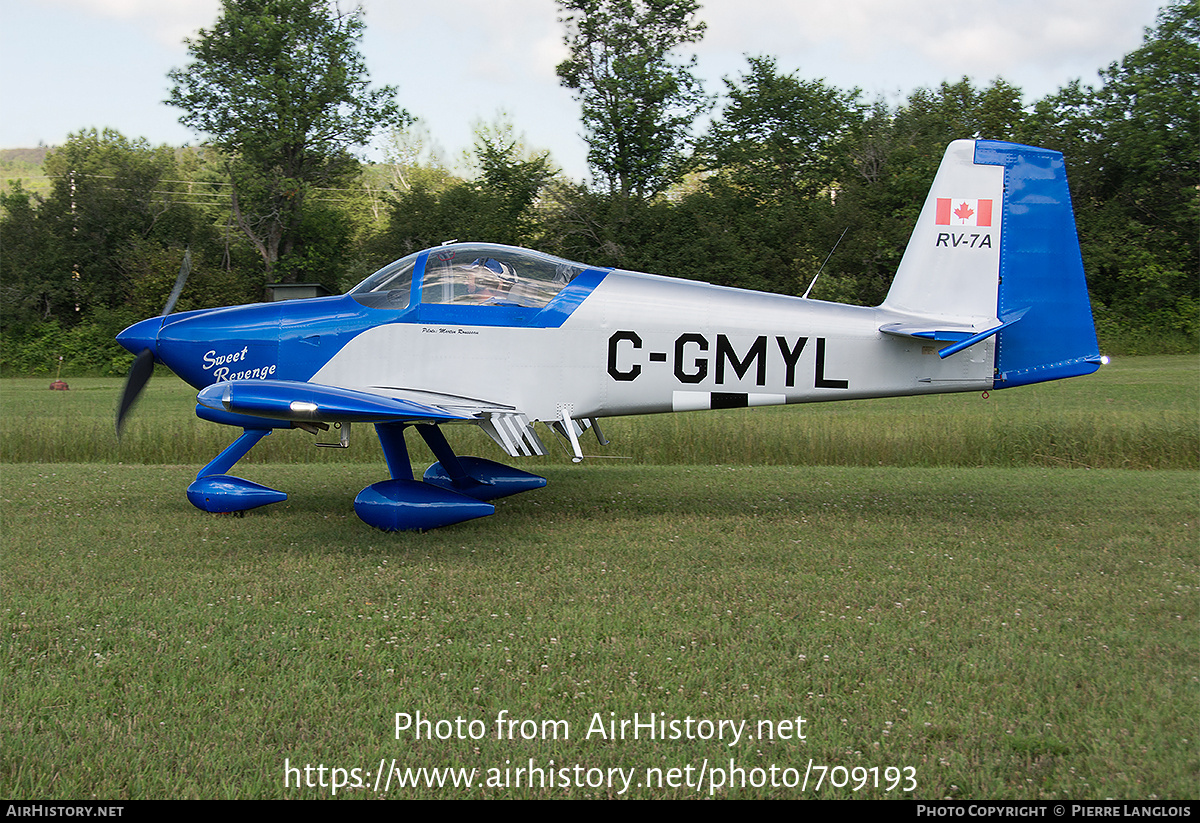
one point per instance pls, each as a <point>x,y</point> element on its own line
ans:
<point>469,273</point>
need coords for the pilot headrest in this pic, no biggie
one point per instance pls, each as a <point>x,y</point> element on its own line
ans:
<point>502,270</point>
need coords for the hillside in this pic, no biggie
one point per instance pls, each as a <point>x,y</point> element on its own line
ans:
<point>25,166</point>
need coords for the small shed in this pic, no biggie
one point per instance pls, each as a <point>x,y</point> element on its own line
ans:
<point>295,291</point>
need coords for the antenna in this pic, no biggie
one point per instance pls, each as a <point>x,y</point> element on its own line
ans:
<point>818,274</point>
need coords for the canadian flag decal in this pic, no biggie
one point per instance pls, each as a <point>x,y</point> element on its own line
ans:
<point>963,212</point>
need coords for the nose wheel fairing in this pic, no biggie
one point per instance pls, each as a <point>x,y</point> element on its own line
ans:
<point>223,493</point>
<point>219,493</point>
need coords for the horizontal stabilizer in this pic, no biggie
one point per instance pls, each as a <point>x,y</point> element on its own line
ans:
<point>940,334</point>
<point>978,338</point>
<point>294,400</point>
<point>961,338</point>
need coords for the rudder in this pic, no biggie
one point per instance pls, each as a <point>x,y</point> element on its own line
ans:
<point>1041,270</point>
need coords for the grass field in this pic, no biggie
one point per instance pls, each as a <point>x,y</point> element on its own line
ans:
<point>1136,413</point>
<point>975,620</point>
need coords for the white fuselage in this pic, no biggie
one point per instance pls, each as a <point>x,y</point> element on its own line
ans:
<point>641,344</point>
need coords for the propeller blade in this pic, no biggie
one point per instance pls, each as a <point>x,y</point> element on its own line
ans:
<point>139,375</point>
<point>184,270</point>
<point>143,364</point>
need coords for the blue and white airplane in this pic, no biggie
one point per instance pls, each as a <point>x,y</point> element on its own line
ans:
<point>990,294</point>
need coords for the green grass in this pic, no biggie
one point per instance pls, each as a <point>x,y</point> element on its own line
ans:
<point>1022,631</point>
<point>1135,413</point>
<point>1010,633</point>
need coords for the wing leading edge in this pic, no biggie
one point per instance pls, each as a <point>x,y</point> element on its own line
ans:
<point>313,402</point>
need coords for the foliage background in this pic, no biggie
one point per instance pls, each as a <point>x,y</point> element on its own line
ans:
<point>787,169</point>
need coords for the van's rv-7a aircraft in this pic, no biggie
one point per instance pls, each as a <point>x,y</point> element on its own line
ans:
<point>990,294</point>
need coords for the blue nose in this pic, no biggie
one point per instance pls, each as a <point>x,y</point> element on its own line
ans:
<point>141,335</point>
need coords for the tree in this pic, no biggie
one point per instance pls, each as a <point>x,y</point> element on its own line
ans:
<point>414,159</point>
<point>781,136</point>
<point>512,177</point>
<point>1147,108</point>
<point>281,89</point>
<point>638,105</point>
<point>1132,148</point>
<point>1145,240</point>
<point>35,280</point>
<point>496,206</point>
<point>64,258</point>
<point>102,250</point>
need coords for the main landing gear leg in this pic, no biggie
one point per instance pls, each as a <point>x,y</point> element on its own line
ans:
<point>473,476</point>
<point>406,504</point>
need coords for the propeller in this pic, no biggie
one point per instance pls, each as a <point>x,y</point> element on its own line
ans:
<point>184,269</point>
<point>143,363</point>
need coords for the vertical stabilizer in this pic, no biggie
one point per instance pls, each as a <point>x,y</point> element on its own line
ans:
<point>995,250</point>
<point>951,266</point>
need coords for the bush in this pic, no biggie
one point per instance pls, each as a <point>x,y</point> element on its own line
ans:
<point>45,348</point>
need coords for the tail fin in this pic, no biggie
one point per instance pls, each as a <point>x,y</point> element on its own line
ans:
<point>995,252</point>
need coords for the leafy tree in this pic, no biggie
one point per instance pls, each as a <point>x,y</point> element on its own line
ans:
<point>1147,108</point>
<point>512,178</point>
<point>1132,147</point>
<point>108,193</point>
<point>414,160</point>
<point>150,270</point>
<point>775,159</point>
<point>780,135</point>
<point>892,156</point>
<point>932,117</point>
<point>281,89</point>
<point>1064,121</point>
<point>102,250</point>
<point>35,282</point>
<point>638,104</point>
<point>498,205</point>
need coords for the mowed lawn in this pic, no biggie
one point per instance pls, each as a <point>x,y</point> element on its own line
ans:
<point>943,625</point>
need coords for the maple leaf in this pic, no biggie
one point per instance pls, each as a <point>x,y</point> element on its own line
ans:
<point>963,212</point>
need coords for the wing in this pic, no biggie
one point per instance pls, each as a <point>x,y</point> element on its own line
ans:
<point>313,402</point>
<point>301,402</point>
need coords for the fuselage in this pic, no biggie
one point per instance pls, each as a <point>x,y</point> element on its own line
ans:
<point>640,344</point>
<point>608,343</point>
